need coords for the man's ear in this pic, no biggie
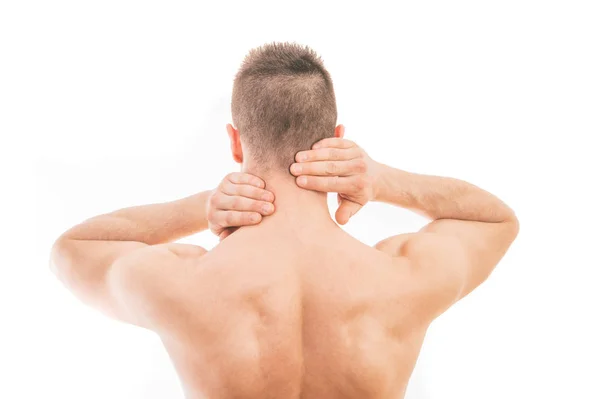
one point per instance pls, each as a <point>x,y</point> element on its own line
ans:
<point>236,144</point>
<point>339,131</point>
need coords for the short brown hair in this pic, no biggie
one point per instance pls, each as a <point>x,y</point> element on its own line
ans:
<point>282,102</point>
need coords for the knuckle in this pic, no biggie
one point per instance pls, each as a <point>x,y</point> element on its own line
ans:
<point>310,182</point>
<point>210,215</point>
<point>230,176</point>
<point>227,186</point>
<point>332,182</point>
<point>248,192</point>
<point>214,199</point>
<point>229,218</point>
<point>330,168</point>
<point>360,184</point>
<point>302,156</point>
<point>258,182</point>
<point>361,165</point>
<point>241,191</point>
<point>256,193</point>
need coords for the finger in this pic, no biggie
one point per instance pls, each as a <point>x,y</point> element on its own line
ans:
<point>227,232</point>
<point>243,204</point>
<point>248,191</point>
<point>236,218</point>
<point>328,154</point>
<point>346,210</point>
<point>224,234</point>
<point>334,142</point>
<point>327,184</point>
<point>246,178</point>
<point>329,168</point>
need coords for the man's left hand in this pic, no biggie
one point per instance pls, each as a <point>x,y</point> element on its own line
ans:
<point>240,200</point>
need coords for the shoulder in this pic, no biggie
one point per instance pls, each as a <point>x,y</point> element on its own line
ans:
<point>435,267</point>
<point>153,258</point>
<point>437,263</point>
<point>148,282</point>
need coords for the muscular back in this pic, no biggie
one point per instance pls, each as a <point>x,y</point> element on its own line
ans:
<point>271,313</point>
<point>291,307</point>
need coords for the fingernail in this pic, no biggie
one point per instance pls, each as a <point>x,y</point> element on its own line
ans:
<point>267,208</point>
<point>302,157</point>
<point>302,180</point>
<point>254,218</point>
<point>266,197</point>
<point>296,168</point>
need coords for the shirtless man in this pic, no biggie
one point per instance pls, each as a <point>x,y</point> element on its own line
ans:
<point>288,305</point>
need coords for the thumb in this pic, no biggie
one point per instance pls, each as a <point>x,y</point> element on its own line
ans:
<point>346,210</point>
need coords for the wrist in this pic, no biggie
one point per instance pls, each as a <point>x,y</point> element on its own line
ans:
<point>379,180</point>
<point>199,204</point>
<point>392,185</point>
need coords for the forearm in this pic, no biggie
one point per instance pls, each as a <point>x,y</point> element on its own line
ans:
<point>150,224</point>
<point>439,197</point>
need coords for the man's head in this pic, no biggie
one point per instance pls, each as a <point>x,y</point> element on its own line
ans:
<point>282,102</point>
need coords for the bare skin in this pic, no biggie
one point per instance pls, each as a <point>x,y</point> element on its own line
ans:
<point>288,305</point>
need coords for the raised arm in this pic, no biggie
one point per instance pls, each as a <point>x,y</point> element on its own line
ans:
<point>95,258</point>
<point>470,230</point>
<point>126,264</point>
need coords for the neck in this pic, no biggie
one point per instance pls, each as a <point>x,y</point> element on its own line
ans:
<point>294,207</point>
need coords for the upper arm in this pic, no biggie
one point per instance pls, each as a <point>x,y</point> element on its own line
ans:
<point>394,245</point>
<point>130,281</point>
<point>452,257</point>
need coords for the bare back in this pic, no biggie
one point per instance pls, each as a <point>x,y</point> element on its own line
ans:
<point>292,307</point>
<point>271,314</point>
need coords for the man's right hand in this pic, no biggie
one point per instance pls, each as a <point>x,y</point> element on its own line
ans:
<point>240,200</point>
<point>338,165</point>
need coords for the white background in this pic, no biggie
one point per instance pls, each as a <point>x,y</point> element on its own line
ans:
<point>119,103</point>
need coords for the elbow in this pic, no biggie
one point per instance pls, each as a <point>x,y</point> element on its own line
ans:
<point>514,226</point>
<point>510,223</point>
